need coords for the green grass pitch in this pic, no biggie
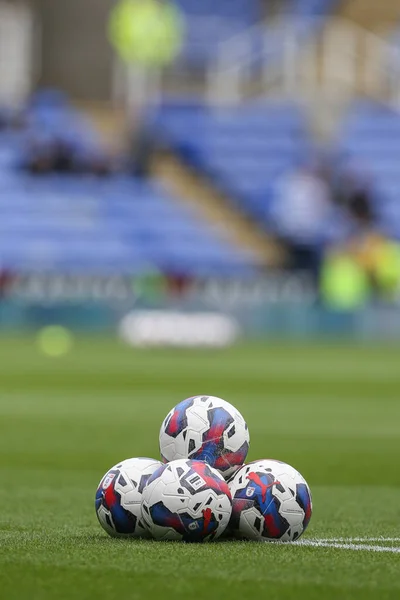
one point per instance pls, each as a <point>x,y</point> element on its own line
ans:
<point>333,411</point>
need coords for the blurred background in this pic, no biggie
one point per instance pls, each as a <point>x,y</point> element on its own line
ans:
<point>188,172</point>
<point>193,175</point>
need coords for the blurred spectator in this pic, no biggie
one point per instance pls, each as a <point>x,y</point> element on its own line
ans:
<point>301,212</point>
<point>140,152</point>
<point>366,268</point>
<point>60,139</point>
<point>344,284</point>
<point>353,191</point>
<point>380,259</point>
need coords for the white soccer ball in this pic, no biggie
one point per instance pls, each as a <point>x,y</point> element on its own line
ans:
<point>270,501</point>
<point>186,500</point>
<point>206,428</point>
<point>119,497</point>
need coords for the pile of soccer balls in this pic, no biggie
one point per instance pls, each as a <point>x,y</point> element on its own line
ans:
<point>204,489</point>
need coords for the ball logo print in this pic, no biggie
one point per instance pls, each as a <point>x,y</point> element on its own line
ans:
<point>263,483</point>
<point>195,481</point>
<point>109,478</point>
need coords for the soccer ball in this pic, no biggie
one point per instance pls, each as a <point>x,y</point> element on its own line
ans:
<point>119,496</point>
<point>186,500</point>
<point>270,501</point>
<point>205,428</point>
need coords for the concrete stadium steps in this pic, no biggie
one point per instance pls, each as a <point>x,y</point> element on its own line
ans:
<point>109,121</point>
<point>377,17</point>
<point>195,191</point>
<point>192,190</point>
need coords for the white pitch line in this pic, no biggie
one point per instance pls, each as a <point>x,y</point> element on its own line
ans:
<point>348,546</point>
<point>356,539</point>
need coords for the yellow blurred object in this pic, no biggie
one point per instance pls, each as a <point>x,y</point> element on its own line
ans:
<point>55,341</point>
<point>381,259</point>
<point>344,283</point>
<point>146,32</point>
<point>387,272</point>
<point>366,250</point>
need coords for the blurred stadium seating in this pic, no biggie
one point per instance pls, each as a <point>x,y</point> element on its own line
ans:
<point>123,226</point>
<point>210,24</point>
<point>272,88</point>
<point>310,8</point>
<point>246,11</point>
<point>75,223</point>
<point>51,120</point>
<point>242,150</point>
<point>245,150</point>
<point>124,223</point>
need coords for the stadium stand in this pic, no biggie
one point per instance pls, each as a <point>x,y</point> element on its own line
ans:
<point>246,11</point>
<point>211,23</point>
<point>310,8</point>
<point>55,128</point>
<point>85,223</point>
<point>241,150</point>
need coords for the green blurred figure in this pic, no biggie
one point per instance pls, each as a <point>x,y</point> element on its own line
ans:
<point>146,32</point>
<point>381,259</point>
<point>366,269</point>
<point>345,284</point>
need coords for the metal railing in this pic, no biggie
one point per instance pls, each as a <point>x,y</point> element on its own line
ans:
<point>323,59</point>
<point>314,59</point>
<point>305,59</point>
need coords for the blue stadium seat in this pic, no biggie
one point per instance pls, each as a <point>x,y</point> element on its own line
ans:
<point>312,7</point>
<point>243,150</point>
<point>244,10</point>
<point>86,224</point>
<point>222,20</point>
